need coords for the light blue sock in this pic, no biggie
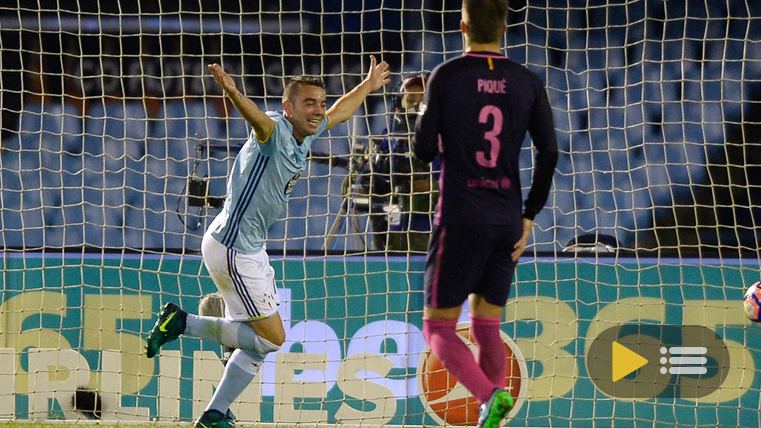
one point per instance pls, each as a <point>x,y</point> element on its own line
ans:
<point>213,329</point>
<point>240,370</point>
<point>233,334</point>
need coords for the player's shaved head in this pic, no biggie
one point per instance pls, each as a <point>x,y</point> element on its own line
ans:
<point>485,19</point>
<point>295,84</point>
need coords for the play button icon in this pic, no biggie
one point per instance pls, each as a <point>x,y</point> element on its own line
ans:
<point>647,361</point>
<point>625,361</point>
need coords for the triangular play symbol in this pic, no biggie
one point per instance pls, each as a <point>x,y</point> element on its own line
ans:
<point>625,361</point>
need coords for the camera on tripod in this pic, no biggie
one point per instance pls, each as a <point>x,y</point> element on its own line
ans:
<point>196,192</point>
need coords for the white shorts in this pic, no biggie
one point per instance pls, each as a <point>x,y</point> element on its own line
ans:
<point>245,281</point>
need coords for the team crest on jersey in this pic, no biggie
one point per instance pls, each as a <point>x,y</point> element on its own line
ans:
<point>292,182</point>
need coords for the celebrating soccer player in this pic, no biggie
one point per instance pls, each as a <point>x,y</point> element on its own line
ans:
<point>233,248</point>
<point>476,111</point>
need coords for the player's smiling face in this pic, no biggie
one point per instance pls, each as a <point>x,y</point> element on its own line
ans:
<point>306,111</point>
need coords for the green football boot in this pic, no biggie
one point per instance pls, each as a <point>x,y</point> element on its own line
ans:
<point>214,419</point>
<point>494,410</point>
<point>169,326</point>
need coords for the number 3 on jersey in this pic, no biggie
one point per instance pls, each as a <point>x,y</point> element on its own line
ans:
<point>490,136</point>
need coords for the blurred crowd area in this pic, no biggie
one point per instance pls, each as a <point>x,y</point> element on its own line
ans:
<point>656,107</point>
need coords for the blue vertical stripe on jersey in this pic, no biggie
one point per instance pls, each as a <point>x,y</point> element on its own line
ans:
<point>240,286</point>
<point>257,171</point>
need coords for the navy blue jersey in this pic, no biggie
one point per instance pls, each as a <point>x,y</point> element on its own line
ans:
<point>476,112</point>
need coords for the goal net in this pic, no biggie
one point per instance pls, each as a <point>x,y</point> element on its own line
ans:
<point>116,144</point>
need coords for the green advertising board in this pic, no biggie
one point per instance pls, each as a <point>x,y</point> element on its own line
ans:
<point>354,351</point>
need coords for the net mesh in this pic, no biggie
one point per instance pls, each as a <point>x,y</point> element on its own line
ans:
<point>117,142</point>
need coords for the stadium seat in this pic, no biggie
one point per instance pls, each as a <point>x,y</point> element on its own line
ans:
<point>136,121</point>
<point>30,126</point>
<point>118,119</point>
<point>235,129</point>
<point>117,130</point>
<point>55,126</point>
<point>72,207</point>
<point>180,119</point>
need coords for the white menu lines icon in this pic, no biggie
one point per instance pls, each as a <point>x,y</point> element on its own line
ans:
<point>688,361</point>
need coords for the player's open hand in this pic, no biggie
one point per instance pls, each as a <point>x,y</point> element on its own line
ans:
<point>223,79</point>
<point>520,246</point>
<point>378,74</point>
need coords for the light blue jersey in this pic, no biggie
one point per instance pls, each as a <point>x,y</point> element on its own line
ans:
<point>259,185</point>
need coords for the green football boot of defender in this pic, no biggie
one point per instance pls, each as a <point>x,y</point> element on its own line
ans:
<point>169,326</point>
<point>494,410</point>
<point>214,419</point>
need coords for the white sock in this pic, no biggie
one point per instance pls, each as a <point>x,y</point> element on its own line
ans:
<point>240,370</point>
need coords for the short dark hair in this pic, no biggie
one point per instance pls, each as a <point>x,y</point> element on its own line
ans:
<point>294,85</point>
<point>486,19</point>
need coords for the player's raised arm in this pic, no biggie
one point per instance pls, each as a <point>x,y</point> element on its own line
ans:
<point>262,123</point>
<point>348,104</point>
